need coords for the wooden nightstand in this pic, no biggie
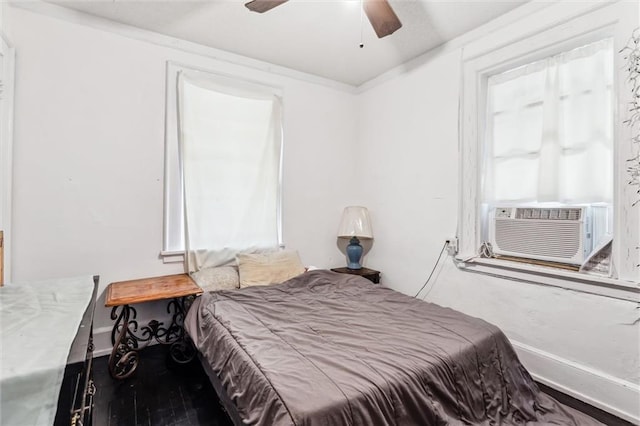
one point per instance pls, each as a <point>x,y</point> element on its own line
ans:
<point>178,289</point>
<point>370,274</point>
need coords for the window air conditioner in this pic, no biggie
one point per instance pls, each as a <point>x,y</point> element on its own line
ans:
<point>557,234</point>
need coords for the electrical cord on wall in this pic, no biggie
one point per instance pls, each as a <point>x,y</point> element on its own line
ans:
<point>444,247</point>
<point>486,250</point>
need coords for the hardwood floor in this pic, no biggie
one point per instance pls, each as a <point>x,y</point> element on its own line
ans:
<point>162,393</point>
<point>602,416</point>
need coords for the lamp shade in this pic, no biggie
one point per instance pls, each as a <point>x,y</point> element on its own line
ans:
<point>355,223</point>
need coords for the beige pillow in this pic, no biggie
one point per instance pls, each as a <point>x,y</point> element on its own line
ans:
<point>215,279</point>
<point>268,268</point>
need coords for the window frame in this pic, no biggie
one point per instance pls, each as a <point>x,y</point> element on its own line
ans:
<point>476,67</point>
<point>171,153</point>
<point>7,83</point>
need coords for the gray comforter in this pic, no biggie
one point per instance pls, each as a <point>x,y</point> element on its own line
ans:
<point>333,349</point>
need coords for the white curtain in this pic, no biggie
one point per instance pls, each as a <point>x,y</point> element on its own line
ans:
<point>549,130</point>
<point>230,148</point>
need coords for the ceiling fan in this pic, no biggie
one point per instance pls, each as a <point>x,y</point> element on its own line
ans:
<point>383,19</point>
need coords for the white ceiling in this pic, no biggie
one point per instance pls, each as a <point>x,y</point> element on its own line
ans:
<point>319,37</point>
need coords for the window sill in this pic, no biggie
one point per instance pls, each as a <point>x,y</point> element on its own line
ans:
<point>543,275</point>
<point>172,256</point>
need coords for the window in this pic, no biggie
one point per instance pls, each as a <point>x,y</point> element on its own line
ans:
<point>549,133</point>
<point>222,165</point>
<point>515,152</point>
<point>548,142</point>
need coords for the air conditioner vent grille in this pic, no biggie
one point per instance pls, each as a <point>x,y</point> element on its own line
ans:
<point>539,238</point>
<point>549,213</point>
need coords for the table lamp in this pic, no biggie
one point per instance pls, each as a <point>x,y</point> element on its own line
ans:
<point>356,225</point>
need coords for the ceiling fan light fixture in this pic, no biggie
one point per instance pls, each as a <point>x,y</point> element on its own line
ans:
<point>382,17</point>
<point>262,6</point>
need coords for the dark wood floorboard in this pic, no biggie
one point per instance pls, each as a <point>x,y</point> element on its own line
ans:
<point>162,393</point>
<point>602,416</point>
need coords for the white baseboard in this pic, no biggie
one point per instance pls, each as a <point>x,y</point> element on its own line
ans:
<point>102,342</point>
<point>611,394</point>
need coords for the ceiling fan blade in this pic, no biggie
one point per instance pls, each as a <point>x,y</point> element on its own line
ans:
<point>383,19</point>
<point>262,6</point>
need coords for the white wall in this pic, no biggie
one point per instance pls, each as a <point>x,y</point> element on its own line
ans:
<point>88,155</point>
<point>408,163</point>
<point>584,344</point>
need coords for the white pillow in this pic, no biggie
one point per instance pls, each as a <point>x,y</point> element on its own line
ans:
<point>219,278</point>
<point>268,268</point>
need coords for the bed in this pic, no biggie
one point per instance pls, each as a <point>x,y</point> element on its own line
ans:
<point>332,349</point>
<point>46,351</point>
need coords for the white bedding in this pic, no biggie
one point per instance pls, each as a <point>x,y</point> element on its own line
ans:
<point>38,322</point>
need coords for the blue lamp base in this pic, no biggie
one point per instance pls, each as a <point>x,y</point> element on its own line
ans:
<point>354,253</point>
